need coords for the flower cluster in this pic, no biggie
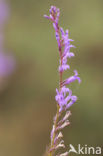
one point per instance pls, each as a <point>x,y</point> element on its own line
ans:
<point>64,97</point>
<point>7,62</point>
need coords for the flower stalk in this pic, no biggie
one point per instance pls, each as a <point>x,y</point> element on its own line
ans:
<point>64,97</point>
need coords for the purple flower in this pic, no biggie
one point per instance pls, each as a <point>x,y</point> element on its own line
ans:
<point>54,17</point>
<point>66,43</point>
<point>63,67</point>
<point>63,41</point>
<point>65,98</point>
<point>72,78</point>
<point>54,14</point>
<point>73,100</point>
<point>66,52</point>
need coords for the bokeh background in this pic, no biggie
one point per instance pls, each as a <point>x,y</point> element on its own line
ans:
<point>27,103</point>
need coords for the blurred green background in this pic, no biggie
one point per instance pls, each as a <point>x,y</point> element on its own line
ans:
<point>27,103</point>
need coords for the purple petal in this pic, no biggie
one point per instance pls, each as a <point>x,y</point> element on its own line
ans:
<point>63,67</point>
<point>45,16</point>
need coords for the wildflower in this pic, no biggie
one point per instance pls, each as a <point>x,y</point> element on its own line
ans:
<point>72,79</point>
<point>64,97</point>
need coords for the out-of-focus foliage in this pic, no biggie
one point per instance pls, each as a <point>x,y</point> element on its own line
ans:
<point>27,104</point>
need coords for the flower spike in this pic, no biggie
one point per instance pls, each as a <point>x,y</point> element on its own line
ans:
<point>64,97</point>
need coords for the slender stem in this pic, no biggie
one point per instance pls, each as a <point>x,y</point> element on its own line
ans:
<point>60,86</point>
<point>60,73</point>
